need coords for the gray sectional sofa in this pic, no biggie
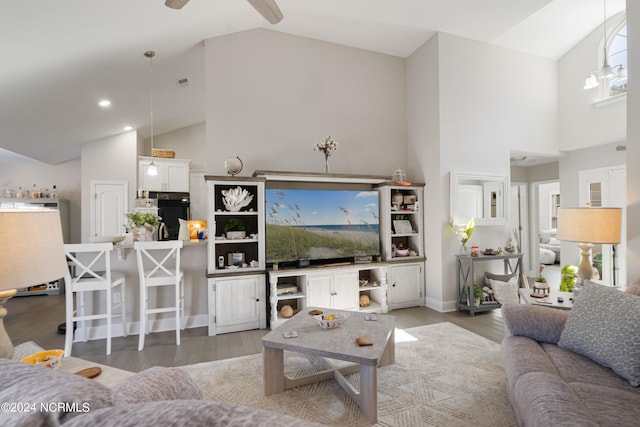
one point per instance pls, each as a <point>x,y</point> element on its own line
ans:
<point>575,368</point>
<point>35,396</point>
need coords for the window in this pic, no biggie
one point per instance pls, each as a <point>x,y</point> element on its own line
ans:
<point>617,52</point>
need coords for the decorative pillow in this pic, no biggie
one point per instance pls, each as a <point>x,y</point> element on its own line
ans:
<point>603,326</point>
<point>505,292</point>
<point>157,383</point>
<point>634,287</point>
<point>501,277</point>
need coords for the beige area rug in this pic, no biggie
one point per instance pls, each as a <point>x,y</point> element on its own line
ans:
<point>443,376</point>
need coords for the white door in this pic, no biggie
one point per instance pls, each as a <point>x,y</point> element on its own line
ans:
<point>237,303</point>
<point>345,291</point>
<point>319,290</point>
<point>607,187</point>
<point>405,285</point>
<point>108,207</point>
<point>177,176</point>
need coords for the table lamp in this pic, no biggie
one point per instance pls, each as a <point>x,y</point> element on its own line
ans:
<point>588,226</point>
<point>31,253</point>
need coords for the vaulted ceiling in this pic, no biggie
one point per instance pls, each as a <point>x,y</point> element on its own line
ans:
<point>59,58</point>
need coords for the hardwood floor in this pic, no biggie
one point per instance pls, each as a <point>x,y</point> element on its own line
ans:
<point>36,318</point>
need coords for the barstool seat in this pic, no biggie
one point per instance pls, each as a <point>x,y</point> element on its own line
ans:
<point>156,269</point>
<point>92,265</point>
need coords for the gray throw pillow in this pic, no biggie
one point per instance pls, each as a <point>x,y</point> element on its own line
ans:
<point>603,326</point>
<point>501,277</point>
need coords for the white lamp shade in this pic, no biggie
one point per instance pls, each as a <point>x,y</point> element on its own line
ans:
<point>589,225</point>
<point>31,247</point>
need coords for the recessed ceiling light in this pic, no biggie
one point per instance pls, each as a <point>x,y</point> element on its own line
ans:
<point>128,128</point>
<point>104,103</point>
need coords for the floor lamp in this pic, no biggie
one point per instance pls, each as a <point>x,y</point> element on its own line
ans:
<point>588,226</point>
<point>31,253</point>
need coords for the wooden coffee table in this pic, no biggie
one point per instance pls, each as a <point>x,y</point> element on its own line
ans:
<point>340,344</point>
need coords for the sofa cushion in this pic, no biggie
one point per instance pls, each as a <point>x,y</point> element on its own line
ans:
<point>157,383</point>
<point>492,276</point>
<point>186,413</point>
<point>505,292</point>
<point>634,287</point>
<point>543,324</point>
<point>71,395</point>
<point>603,326</point>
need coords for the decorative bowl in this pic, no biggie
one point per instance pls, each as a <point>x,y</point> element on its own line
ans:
<point>106,239</point>
<point>402,252</point>
<point>47,358</point>
<point>331,320</point>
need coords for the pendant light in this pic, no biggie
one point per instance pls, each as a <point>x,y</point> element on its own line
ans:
<point>594,78</point>
<point>152,169</point>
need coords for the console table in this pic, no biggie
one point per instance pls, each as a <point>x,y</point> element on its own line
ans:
<point>465,278</point>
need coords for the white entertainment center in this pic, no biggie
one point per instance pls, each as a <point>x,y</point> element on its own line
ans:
<point>244,292</point>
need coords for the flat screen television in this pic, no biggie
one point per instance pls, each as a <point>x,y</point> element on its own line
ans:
<point>321,224</point>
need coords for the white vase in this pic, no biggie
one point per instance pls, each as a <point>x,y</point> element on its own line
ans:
<point>142,234</point>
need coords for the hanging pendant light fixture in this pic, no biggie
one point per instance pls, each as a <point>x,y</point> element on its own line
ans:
<point>606,72</point>
<point>152,169</point>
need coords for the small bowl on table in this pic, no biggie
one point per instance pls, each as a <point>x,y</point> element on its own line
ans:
<point>331,320</point>
<point>48,358</point>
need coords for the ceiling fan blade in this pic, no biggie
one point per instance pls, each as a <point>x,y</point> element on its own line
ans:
<point>268,9</point>
<point>175,4</point>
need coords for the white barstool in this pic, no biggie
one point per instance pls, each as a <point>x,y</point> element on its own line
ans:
<point>155,271</point>
<point>92,265</point>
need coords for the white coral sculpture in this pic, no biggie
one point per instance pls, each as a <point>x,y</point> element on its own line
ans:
<point>236,198</point>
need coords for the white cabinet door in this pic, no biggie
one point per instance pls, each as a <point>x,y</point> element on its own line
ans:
<point>173,174</point>
<point>339,291</point>
<point>239,304</point>
<point>108,205</point>
<point>177,173</point>
<point>345,291</point>
<point>319,289</point>
<point>405,285</point>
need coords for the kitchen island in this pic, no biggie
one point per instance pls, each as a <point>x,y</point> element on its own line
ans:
<point>193,260</point>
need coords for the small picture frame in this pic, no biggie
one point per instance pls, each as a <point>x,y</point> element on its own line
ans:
<point>402,226</point>
<point>409,199</point>
<point>236,258</point>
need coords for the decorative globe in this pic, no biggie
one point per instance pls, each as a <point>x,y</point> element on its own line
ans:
<point>233,165</point>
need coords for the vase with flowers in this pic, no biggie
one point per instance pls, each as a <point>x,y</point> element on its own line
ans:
<point>463,233</point>
<point>143,224</point>
<point>326,147</point>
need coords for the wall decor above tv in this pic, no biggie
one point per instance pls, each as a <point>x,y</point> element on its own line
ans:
<point>321,224</point>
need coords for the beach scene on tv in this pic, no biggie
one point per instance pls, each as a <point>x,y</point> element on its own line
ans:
<point>321,224</point>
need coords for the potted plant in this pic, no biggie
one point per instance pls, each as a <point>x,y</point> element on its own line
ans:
<point>569,276</point>
<point>477,295</point>
<point>143,225</point>
<point>235,229</point>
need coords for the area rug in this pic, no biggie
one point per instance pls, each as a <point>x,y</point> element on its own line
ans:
<point>444,375</point>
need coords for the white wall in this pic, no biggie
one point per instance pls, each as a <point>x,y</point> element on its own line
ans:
<point>188,143</point>
<point>490,100</point>
<point>65,176</point>
<point>272,96</point>
<point>633,142</point>
<point>423,123</point>
<point>109,159</point>
<point>582,124</point>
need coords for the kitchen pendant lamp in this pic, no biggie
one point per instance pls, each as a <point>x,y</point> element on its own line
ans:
<point>152,169</point>
<point>606,72</point>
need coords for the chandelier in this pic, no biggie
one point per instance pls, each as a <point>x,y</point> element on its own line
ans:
<point>606,72</point>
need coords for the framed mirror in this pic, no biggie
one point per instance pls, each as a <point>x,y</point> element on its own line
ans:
<point>483,197</point>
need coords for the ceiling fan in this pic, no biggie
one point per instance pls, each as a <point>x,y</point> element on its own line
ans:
<point>267,8</point>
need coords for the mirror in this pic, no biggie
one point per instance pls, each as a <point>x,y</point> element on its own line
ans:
<point>480,196</point>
